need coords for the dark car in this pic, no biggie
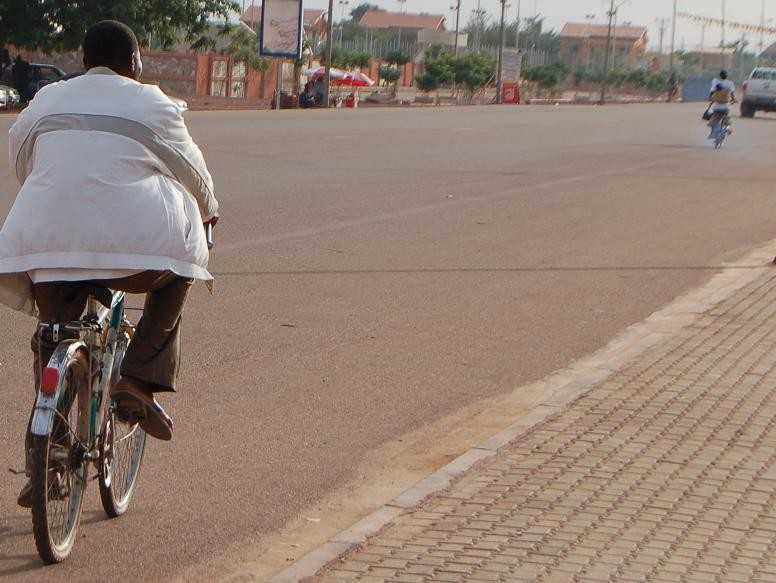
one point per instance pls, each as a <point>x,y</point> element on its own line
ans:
<point>41,75</point>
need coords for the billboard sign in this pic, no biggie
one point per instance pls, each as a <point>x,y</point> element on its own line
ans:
<point>281,29</point>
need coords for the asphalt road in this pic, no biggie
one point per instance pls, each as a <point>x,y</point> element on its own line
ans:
<point>379,271</point>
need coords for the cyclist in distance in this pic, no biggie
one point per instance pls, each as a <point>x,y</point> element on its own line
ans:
<point>114,194</point>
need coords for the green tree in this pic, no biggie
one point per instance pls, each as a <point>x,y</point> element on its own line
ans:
<point>439,66</point>
<point>427,82</point>
<point>362,9</point>
<point>344,59</point>
<point>60,25</point>
<point>397,58</point>
<point>547,77</point>
<point>243,47</point>
<point>474,71</point>
<point>389,74</point>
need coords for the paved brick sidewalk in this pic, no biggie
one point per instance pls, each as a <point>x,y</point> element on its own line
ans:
<point>666,471</point>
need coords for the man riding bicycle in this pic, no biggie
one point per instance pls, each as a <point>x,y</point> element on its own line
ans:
<point>114,195</point>
<point>722,94</point>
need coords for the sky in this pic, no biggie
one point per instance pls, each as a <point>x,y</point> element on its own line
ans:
<point>638,12</point>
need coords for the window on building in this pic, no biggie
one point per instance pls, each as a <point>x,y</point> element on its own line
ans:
<point>218,78</point>
<point>239,71</point>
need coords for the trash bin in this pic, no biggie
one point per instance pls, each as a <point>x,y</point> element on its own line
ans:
<point>510,93</point>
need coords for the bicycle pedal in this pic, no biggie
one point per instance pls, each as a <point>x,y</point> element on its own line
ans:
<point>17,472</point>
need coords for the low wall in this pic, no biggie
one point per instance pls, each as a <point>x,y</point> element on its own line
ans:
<point>187,75</point>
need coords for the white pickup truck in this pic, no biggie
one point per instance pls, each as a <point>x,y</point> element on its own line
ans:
<point>759,92</point>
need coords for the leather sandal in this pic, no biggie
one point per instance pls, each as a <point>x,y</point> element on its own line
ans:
<point>136,404</point>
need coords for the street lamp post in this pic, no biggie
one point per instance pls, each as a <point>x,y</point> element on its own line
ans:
<point>329,51</point>
<point>762,32</point>
<point>500,74</point>
<point>589,18</point>
<point>673,40</point>
<point>608,54</point>
<point>457,24</point>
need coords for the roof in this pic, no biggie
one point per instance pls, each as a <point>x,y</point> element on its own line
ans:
<point>584,30</point>
<point>713,51</point>
<point>380,19</point>
<point>313,15</point>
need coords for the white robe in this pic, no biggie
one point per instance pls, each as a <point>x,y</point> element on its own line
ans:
<point>111,180</point>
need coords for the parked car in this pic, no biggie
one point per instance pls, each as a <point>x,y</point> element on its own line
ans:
<point>759,92</point>
<point>42,75</point>
<point>9,97</point>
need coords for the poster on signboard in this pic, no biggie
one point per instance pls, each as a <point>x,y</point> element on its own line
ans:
<point>281,29</point>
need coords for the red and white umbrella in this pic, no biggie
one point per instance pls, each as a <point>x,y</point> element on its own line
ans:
<point>355,80</point>
<point>334,74</point>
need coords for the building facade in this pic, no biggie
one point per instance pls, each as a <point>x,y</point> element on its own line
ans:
<point>583,45</point>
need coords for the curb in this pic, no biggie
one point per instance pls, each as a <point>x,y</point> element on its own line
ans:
<point>562,388</point>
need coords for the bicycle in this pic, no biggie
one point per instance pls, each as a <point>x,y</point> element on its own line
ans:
<point>720,129</point>
<point>75,424</point>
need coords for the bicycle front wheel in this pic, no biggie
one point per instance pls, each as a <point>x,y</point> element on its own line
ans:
<point>121,453</point>
<point>59,470</point>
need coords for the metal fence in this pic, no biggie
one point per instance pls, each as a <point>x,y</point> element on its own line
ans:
<point>380,47</point>
<point>531,57</point>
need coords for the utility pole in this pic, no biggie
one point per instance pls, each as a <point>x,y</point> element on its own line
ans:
<point>724,13</point>
<point>500,76</point>
<point>762,32</point>
<point>589,18</point>
<point>662,23</point>
<point>608,54</point>
<point>329,51</point>
<point>517,27</point>
<point>478,26</point>
<point>614,38</point>
<point>673,40</point>
<point>457,24</point>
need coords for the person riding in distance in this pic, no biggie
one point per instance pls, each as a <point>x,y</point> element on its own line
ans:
<point>723,93</point>
<point>114,194</point>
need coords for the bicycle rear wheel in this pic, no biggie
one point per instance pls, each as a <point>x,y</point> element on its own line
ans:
<point>59,470</point>
<point>121,454</point>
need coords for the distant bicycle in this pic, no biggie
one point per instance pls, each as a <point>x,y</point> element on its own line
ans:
<point>720,129</point>
<point>75,425</point>
<point>718,113</point>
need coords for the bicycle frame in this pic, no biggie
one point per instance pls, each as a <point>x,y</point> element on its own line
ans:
<point>98,333</point>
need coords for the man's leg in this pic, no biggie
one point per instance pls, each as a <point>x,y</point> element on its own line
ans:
<point>153,357</point>
<point>57,303</point>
